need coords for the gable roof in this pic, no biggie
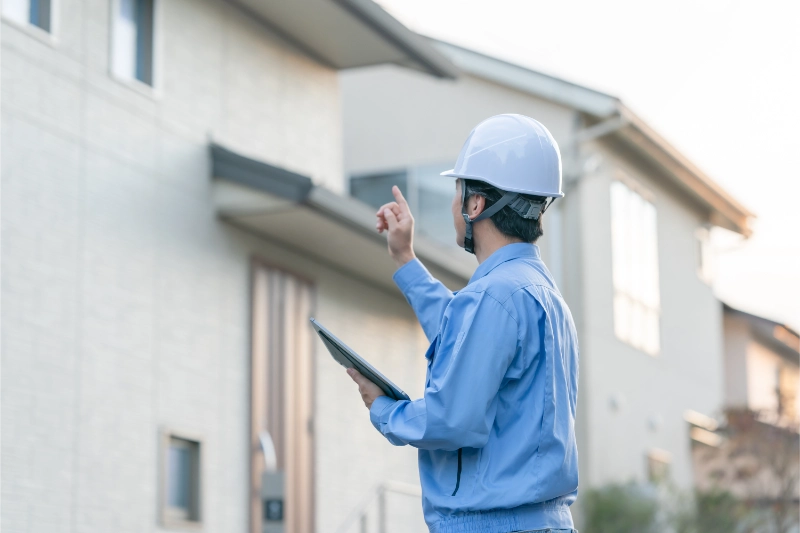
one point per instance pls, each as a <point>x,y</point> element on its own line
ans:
<point>624,125</point>
<point>348,33</point>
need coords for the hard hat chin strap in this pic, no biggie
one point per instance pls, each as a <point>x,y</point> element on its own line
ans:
<point>469,243</point>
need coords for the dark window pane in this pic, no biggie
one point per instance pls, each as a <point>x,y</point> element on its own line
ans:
<point>435,197</point>
<point>179,476</point>
<point>40,14</point>
<point>144,41</point>
<point>376,190</point>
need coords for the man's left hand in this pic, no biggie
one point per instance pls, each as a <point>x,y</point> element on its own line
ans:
<point>369,391</point>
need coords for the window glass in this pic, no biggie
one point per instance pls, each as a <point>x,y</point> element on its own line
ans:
<point>179,477</point>
<point>634,251</point>
<point>435,196</point>
<point>35,12</point>
<point>181,481</point>
<point>40,14</point>
<point>376,189</point>
<point>429,196</point>
<point>133,41</point>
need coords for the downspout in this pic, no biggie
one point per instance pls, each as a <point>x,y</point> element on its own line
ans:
<point>568,261</point>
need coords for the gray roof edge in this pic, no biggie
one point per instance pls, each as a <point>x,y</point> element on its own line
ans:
<point>755,318</point>
<point>601,105</point>
<point>356,215</point>
<point>258,175</point>
<point>392,30</point>
<point>528,80</point>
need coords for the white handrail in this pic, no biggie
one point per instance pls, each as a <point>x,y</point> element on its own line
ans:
<point>379,492</point>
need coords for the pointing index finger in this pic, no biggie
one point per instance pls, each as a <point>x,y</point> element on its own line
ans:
<point>398,195</point>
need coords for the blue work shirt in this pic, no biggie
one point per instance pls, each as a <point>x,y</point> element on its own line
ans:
<point>496,426</point>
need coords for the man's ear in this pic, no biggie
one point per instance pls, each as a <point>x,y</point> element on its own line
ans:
<point>477,204</point>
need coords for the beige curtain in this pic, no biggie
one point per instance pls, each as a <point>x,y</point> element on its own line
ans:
<point>282,385</point>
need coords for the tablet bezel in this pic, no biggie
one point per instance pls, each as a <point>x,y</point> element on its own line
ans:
<point>356,361</point>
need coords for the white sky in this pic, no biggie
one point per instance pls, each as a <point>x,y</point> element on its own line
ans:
<point>720,80</point>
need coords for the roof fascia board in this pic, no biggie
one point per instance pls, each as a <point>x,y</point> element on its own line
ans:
<point>728,212</point>
<point>530,81</point>
<point>289,39</point>
<point>259,175</point>
<point>391,30</point>
<point>734,216</point>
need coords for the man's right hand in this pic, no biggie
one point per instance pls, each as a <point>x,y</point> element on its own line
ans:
<point>395,217</point>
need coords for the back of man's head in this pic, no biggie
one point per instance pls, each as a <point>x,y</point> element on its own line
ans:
<point>507,221</point>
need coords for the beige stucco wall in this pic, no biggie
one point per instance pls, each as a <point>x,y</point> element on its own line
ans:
<point>125,299</point>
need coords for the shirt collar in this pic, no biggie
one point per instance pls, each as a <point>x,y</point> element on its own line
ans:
<point>506,253</point>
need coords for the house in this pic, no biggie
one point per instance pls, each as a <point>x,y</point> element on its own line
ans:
<point>172,215</point>
<point>762,367</point>
<point>626,245</point>
<point>755,452</point>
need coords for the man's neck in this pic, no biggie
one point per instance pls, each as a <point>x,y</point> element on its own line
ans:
<point>489,241</point>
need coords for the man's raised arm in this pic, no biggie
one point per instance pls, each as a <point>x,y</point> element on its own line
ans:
<point>427,295</point>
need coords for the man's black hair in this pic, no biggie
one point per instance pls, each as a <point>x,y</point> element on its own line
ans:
<point>507,220</point>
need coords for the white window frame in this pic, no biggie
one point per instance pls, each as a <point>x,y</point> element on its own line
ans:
<point>705,255</point>
<point>151,90</point>
<point>168,518</point>
<point>623,294</point>
<point>45,36</point>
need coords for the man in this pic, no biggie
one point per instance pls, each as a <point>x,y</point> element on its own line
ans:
<point>496,425</point>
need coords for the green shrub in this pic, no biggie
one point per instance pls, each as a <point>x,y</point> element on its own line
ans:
<point>615,508</point>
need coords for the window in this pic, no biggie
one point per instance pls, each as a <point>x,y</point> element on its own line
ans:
<point>429,196</point>
<point>132,54</point>
<point>705,258</point>
<point>35,12</point>
<point>635,269</point>
<point>181,497</point>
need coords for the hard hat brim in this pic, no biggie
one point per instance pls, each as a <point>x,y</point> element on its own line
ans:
<point>550,194</point>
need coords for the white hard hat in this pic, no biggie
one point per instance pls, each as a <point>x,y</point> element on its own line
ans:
<point>514,153</point>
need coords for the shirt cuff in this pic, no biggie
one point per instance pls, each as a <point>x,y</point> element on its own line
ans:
<point>379,405</point>
<point>410,273</point>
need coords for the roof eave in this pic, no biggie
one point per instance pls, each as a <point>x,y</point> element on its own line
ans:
<point>727,212</point>
<point>267,200</point>
<point>415,46</point>
<point>344,34</point>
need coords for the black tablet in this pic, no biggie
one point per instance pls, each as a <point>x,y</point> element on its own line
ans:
<point>346,357</point>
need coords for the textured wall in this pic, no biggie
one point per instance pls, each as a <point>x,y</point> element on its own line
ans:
<point>125,301</point>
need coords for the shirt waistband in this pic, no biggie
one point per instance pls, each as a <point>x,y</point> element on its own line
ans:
<point>552,514</point>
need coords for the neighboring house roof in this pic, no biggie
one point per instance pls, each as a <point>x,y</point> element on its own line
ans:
<point>349,33</point>
<point>617,120</point>
<point>779,337</point>
<point>339,231</point>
